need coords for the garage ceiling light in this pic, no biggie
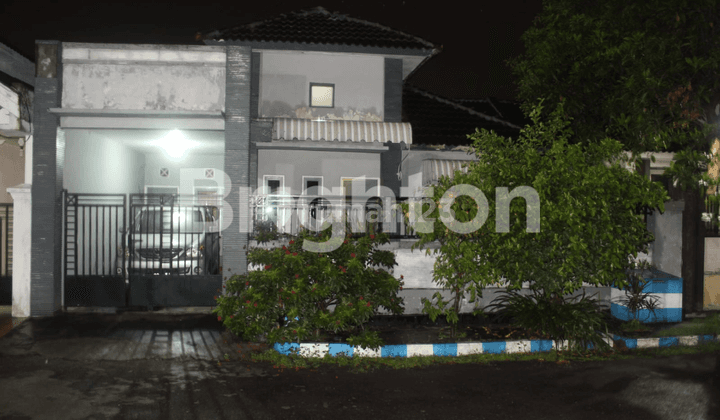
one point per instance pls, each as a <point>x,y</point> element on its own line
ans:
<point>175,144</point>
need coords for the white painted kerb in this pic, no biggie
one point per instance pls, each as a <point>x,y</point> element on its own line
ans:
<point>22,245</point>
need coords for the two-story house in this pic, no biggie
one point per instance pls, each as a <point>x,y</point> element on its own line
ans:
<point>153,164</point>
<point>306,101</point>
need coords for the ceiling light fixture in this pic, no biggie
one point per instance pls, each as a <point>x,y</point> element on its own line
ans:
<point>175,144</point>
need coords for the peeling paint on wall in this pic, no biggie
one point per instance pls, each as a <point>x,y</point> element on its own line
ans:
<point>279,109</point>
<point>156,87</point>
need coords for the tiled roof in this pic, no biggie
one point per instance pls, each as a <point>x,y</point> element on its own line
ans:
<point>438,120</point>
<point>319,26</point>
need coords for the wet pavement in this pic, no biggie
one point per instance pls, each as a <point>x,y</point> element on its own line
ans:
<point>173,366</point>
<point>119,336</point>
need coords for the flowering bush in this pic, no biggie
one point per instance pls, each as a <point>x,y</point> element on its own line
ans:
<point>296,293</point>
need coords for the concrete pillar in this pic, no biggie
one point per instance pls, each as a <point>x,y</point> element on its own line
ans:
<point>48,148</point>
<point>237,158</point>
<point>393,90</point>
<point>22,248</point>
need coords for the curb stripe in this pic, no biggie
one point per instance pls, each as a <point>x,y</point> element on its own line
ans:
<point>464,349</point>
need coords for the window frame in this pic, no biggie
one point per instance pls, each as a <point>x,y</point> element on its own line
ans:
<point>266,187</point>
<point>306,178</point>
<point>310,98</point>
<point>358,178</point>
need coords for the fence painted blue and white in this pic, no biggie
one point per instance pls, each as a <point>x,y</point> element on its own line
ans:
<point>466,349</point>
<point>644,343</point>
<point>666,287</point>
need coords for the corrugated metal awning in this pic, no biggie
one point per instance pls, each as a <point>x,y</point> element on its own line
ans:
<point>341,130</point>
<point>433,169</point>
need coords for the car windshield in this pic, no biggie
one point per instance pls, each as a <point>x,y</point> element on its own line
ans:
<point>175,220</point>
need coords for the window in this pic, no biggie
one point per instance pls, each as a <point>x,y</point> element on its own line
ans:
<point>360,187</point>
<point>322,95</point>
<point>209,198</point>
<point>178,219</point>
<point>153,189</point>
<point>312,185</point>
<point>160,194</point>
<point>272,211</point>
<point>273,184</point>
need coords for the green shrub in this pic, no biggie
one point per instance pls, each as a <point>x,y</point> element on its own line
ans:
<point>296,293</point>
<point>577,322</point>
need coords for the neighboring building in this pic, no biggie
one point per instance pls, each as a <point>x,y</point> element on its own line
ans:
<point>16,97</point>
<point>437,120</point>
<point>440,129</point>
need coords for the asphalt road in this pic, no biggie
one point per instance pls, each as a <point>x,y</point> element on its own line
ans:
<point>37,384</point>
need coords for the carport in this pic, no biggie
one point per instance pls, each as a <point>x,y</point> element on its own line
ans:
<point>141,216</point>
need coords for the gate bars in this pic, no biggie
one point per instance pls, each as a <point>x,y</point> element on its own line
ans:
<point>6,253</point>
<point>111,261</point>
<point>93,230</point>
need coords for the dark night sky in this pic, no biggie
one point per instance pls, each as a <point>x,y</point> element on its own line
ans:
<point>475,41</point>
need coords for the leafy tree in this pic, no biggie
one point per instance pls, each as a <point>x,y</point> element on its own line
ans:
<point>644,72</point>
<point>586,202</point>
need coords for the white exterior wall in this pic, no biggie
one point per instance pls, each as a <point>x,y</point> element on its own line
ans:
<point>22,250</point>
<point>332,166</point>
<point>97,163</point>
<point>285,78</point>
<point>143,77</point>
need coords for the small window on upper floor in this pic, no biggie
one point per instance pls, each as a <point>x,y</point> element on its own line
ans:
<point>322,95</point>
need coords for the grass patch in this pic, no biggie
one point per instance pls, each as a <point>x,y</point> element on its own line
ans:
<point>366,364</point>
<point>700,326</point>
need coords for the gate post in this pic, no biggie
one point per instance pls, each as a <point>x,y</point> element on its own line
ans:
<point>22,247</point>
<point>48,165</point>
<point>237,157</point>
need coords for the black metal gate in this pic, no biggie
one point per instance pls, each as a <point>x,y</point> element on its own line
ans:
<point>6,255</point>
<point>166,251</point>
<point>94,226</point>
<point>173,251</point>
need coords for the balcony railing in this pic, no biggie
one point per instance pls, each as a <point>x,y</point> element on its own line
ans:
<point>286,214</point>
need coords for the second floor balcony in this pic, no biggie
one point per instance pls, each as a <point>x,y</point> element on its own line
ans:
<point>285,214</point>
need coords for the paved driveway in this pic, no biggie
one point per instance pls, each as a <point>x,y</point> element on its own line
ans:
<point>63,368</point>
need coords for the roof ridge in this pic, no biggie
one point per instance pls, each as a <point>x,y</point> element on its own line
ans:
<point>318,10</point>
<point>377,25</point>
<point>16,54</point>
<point>459,106</point>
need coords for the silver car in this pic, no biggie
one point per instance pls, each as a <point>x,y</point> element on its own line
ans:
<point>175,241</point>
